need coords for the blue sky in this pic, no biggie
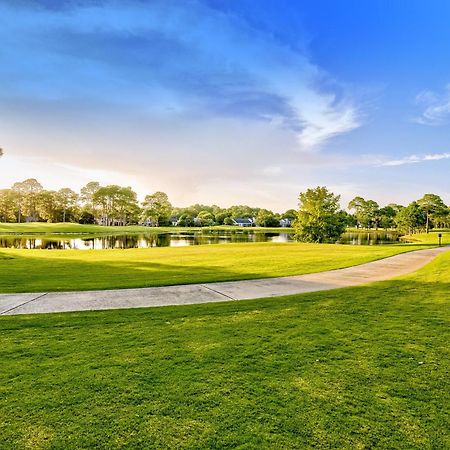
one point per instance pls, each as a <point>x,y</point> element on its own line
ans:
<point>226,101</point>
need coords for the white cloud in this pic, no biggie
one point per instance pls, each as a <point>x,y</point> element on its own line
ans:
<point>414,159</point>
<point>331,122</point>
<point>164,95</point>
<point>437,107</point>
<point>180,68</point>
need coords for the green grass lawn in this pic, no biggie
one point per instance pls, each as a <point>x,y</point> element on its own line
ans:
<point>42,227</point>
<point>23,270</point>
<point>430,238</point>
<point>364,367</point>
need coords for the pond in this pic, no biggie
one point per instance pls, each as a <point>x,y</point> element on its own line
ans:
<point>369,238</point>
<point>174,239</point>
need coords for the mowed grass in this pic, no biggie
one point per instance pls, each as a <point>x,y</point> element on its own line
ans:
<point>64,270</point>
<point>430,238</point>
<point>43,227</point>
<point>52,228</point>
<point>355,368</point>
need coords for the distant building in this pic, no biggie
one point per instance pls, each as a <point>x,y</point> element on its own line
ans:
<point>111,222</point>
<point>285,223</point>
<point>243,222</point>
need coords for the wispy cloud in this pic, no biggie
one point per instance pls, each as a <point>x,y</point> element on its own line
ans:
<point>437,107</point>
<point>331,122</point>
<point>199,101</point>
<point>173,57</point>
<point>414,159</point>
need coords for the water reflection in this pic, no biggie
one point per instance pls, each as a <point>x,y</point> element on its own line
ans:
<point>369,238</point>
<point>148,240</point>
<point>176,239</point>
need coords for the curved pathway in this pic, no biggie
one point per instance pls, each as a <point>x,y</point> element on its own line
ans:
<point>379,270</point>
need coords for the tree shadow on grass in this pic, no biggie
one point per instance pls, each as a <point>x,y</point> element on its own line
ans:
<point>34,274</point>
<point>28,273</point>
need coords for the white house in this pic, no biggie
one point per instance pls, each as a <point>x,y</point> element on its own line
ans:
<point>243,222</point>
<point>285,223</point>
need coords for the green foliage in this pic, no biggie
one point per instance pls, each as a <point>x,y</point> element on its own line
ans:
<point>367,212</point>
<point>67,201</point>
<point>118,205</point>
<point>318,218</point>
<point>27,193</point>
<point>86,218</point>
<point>290,214</point>
<point>157,209</point>
<point>434,208</point>
<point>204,219</point>
<point>266,218</point>
<point>387,217</point>
<point>411,219</point>
<point>221,216</point>
<point>242,211</point>
<point>186,220</point>
<point>87,196</point>
<point>7,205</point>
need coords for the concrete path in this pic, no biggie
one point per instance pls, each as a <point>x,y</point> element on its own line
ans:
<point>382,269</point>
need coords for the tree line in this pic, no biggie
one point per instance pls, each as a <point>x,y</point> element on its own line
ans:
<point>28,201</point>
<point>318,217</point>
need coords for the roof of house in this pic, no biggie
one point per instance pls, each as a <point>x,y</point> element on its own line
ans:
<point>243,221</point>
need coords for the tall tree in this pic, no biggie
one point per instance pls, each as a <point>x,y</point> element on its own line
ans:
<point>442,218</point>
<point>47,206</point>
<point>432,205</point>
<point>27,194</point>
<point>357,205</point>
<point>266,218</point>
<point>318,217</point>
<point>157,208</point>
<point>7,205</point>
<point>118,204</point>
<point>87,196</point>
<point>411,219</point>
<point>366,212</point>
<point>127,206</point>
<point>387,216</point>
<point>205,219</point>
<point>67,201</point>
